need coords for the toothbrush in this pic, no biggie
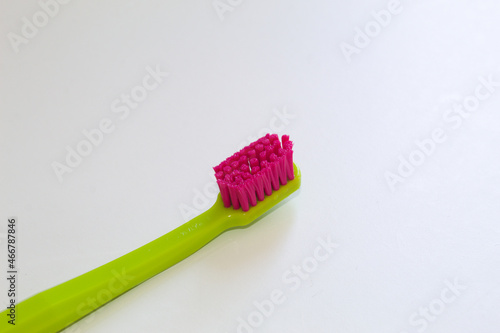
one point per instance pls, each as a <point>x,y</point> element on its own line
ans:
<point>252,181</point>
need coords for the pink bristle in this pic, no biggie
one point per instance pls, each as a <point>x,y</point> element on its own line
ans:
<point>245,168</point>
<point>255,171</point>
<point>269,151</point>
<point>243,159</point>
<point>224,192</point>
<point>289,165</point>
<point>265,141</point>
<point>282,170</point>
<point>275,178</point>
<point>243,198</point>
<point>249,187</point>
<point>254,162</point>
<point>266,180</point>
<point>259,148</point>
<point>220,167</point>
<point>262,156</point>
<point>235,156</point>
<point>233,194</point>
<point>289,159</point>
<point>259,186</point>
<point>252,154</point>
<point>276,145</point>
<point>237,178</point>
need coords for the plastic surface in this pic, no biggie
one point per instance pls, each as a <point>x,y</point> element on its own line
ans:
<point>54,309</point>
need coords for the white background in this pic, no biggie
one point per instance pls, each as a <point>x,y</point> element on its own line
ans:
<point>350,118</point>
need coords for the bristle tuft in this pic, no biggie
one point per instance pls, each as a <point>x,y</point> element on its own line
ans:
<point>255,171</point>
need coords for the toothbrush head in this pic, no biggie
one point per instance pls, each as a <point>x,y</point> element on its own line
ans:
<point>262,169</point>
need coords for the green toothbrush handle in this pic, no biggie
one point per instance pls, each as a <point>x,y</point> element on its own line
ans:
<point>54,309</point>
